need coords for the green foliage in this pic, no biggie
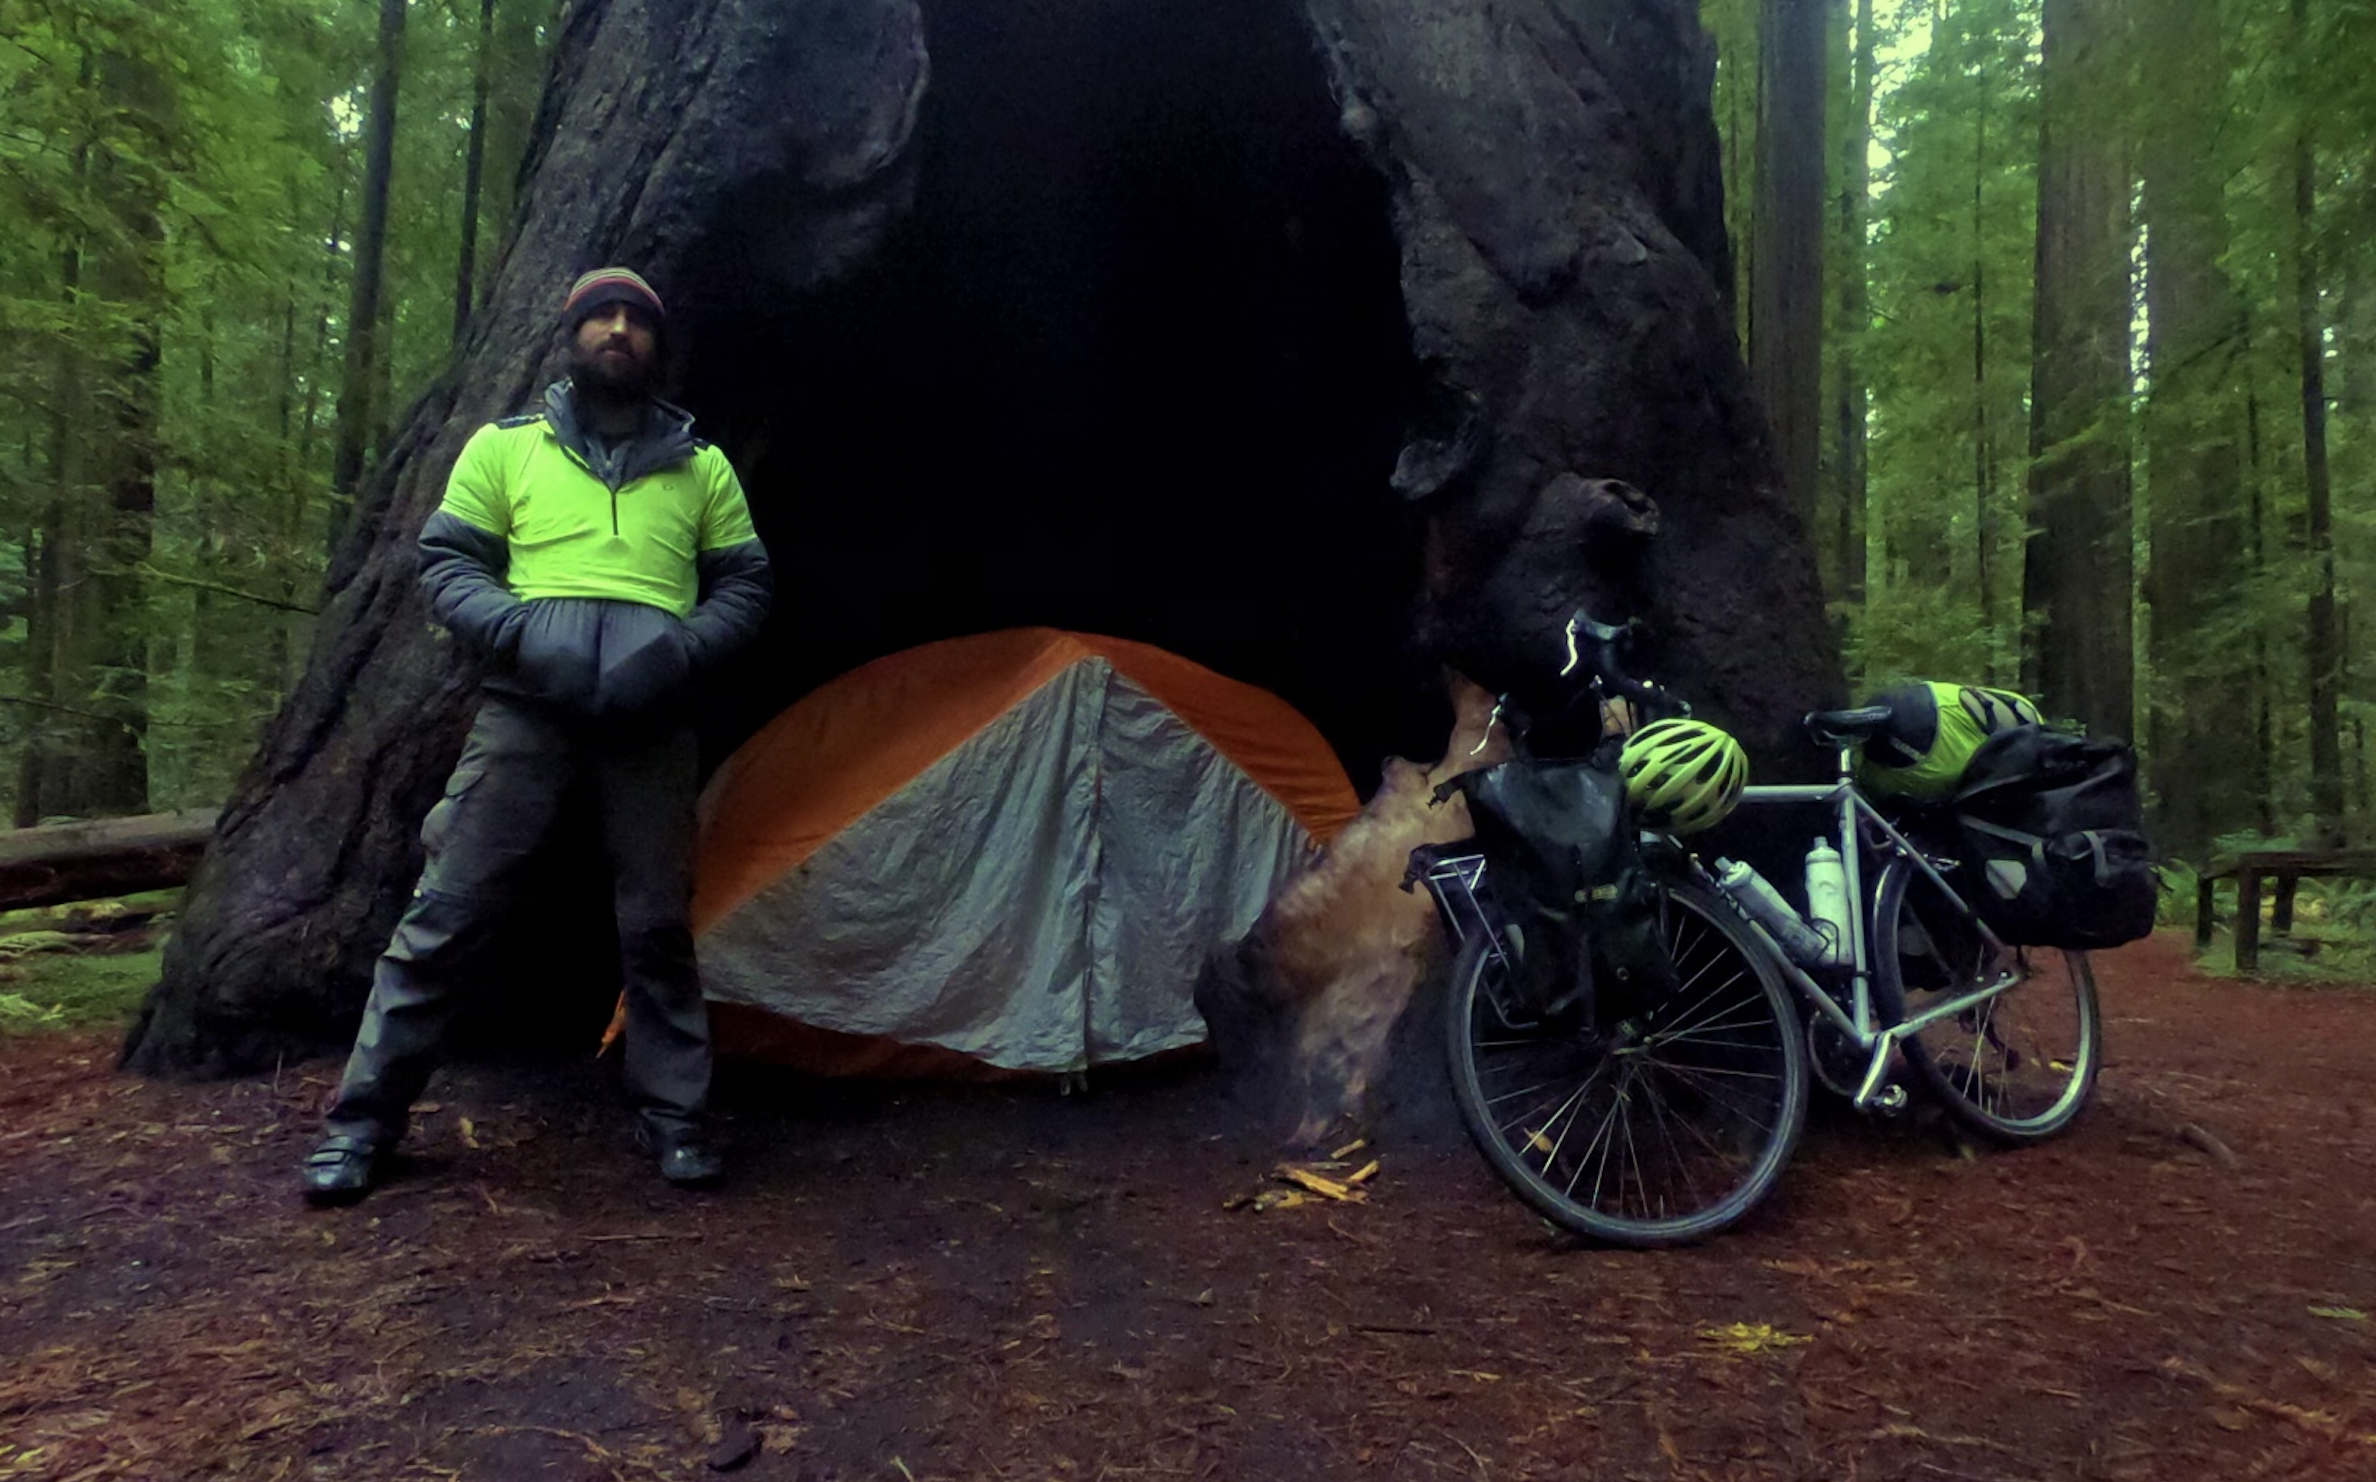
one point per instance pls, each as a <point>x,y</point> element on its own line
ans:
<point>2332,942</point>
<point>214,143</point>
<point>1947,261</point>
<point>68,990</point>
<point>1947,353</point>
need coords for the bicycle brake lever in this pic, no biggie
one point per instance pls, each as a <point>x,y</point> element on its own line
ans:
<point>1490,722</point>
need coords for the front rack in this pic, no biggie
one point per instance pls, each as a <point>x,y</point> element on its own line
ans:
<point>1453,881</point>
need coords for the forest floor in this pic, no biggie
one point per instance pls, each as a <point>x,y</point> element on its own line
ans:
<point>906,1284</point>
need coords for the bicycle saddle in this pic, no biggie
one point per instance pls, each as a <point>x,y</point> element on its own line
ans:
<point>1845,727</point>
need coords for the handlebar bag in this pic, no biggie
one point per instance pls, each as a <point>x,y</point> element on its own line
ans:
<point>1563,859</point>
<point>2050,829</point>
<point>1558,826</point>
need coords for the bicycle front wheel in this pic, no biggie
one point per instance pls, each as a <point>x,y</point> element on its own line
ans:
<point>1657,1128</point>
<point>2016,1068</point>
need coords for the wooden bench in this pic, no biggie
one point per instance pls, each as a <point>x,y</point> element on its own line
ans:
<point>2288,867</point>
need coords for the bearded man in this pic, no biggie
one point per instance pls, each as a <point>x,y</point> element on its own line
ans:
<point>597,559</point>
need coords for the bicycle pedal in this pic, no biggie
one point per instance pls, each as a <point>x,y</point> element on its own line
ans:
<point>1889,1100</point>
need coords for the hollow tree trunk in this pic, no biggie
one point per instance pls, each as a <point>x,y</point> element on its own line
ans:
<point>1231,325</point>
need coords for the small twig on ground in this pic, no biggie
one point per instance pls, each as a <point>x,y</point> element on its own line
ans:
<point>2193,1135</point>
<point>1925,1466</point>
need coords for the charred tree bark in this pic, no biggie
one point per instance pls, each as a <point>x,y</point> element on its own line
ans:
<point>1355,308</point>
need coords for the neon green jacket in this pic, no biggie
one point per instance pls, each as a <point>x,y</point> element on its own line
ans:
<point>597,579</point>
<point>1934,728</point>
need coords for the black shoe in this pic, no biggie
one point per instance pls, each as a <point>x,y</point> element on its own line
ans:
<point>340,1171</point>
<point>686,1155</point>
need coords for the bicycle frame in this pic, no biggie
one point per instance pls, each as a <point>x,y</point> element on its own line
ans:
<point>1856,1019</point>
<point>1454,880</point>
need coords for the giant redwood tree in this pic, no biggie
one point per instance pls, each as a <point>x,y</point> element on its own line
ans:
<point>1296,338</point>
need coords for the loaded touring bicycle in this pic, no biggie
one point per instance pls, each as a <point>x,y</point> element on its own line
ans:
<point>1633,1027</point>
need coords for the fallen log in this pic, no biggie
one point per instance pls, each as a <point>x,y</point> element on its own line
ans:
<point>62,862</point>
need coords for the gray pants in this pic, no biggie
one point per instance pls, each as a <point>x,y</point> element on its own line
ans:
<point>499,805</point>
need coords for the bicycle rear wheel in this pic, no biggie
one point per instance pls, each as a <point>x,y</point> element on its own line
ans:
<point>2017,1068</point>
<point>1658,1128</point>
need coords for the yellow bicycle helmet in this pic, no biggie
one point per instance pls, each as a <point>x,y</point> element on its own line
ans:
<point>1682,775</point>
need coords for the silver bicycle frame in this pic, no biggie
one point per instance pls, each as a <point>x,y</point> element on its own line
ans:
<point>1453,882</point>
<point>1856,1019</point>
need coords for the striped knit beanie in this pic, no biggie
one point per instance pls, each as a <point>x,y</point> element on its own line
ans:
<point>609,286</point>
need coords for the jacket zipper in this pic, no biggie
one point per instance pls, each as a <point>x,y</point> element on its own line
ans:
<point>583,463</point>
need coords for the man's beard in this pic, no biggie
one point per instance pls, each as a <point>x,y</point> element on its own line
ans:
<point>611,378</point>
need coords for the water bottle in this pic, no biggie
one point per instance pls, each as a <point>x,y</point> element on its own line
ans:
<point>1768,909</point>
<point>1827,900</point>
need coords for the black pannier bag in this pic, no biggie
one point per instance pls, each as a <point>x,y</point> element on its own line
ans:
<point>2051,834</point>
<point>1563,858</point>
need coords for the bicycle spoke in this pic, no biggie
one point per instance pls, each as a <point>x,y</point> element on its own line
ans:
<point>1676,1158</point>
<point>1721,1152</point>
<point>1601,1141</point>
<point>1572,1099</point>
<point>1633,1156</point>
<point>1705,998</point>
<point>1717,1093</point>
<point>1742,1010</point>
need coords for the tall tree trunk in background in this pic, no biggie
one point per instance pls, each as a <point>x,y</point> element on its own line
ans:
<point>89,624</point>
<point>2263,762</point>
<point>2077,571</point>
<point>1852,311</point>
<point>2194,428</point>
<point>473,166</point>
<point>2323,650</point>
<point>1786,280</point>
<point>310,422</point>
<point>2355,404</point>
<point>290,487</point>
<point>514,80</point>
<point>1984,473</point>
<point>356,414</point>
<point>48,732</point>
<point>128,277</point>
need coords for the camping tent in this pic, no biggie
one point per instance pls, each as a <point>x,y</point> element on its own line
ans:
<point>1018,846</point>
